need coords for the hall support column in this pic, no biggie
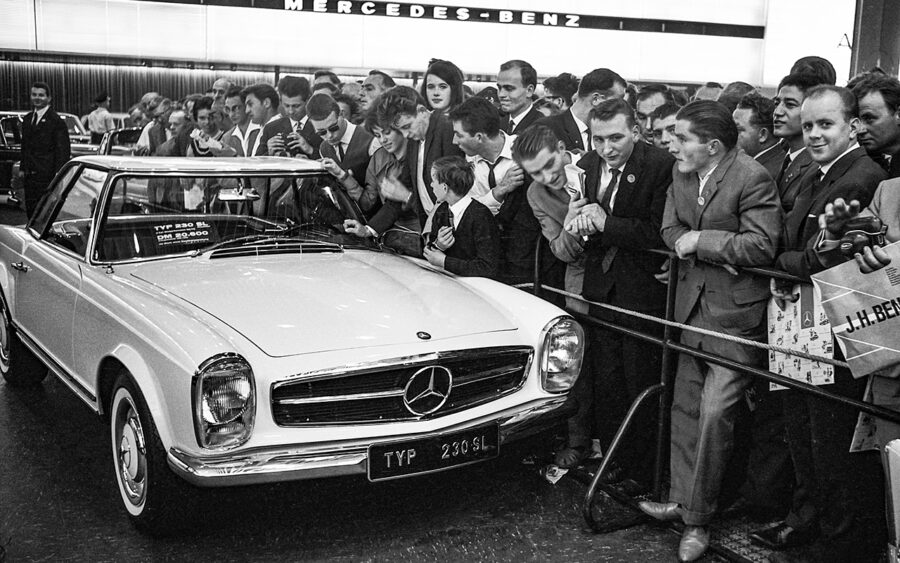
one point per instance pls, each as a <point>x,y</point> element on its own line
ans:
<point>876,41</point>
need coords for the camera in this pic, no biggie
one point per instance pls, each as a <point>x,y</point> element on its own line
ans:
<point>286,139</point>
<point>861,232</point>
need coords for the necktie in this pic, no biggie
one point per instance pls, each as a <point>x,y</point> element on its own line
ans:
<point>34,119</point>
<point>608,192</point>
<point>588,146</point>
<point>492,180</point>
<point>784,166</point>
<point>886,162</point>
<point>511,127</point>
<point>340,151</point>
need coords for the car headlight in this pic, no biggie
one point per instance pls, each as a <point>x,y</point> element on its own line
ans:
<point>562,354</point>
<point>224,402</point>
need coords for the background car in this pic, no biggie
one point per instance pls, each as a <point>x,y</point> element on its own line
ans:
<point>217,314</point>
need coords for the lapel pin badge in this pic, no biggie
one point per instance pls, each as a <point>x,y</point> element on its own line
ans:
<point>630,178</point>
<point>700,200</point>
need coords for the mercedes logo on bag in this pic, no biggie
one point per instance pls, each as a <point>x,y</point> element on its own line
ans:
<point>427,390</point>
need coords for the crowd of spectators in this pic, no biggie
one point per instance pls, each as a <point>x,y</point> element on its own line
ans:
<point>598,171</point>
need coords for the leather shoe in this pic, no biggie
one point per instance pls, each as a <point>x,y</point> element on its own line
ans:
<point>694,541</point>
<point>663,511</point>
<point>781,536</point>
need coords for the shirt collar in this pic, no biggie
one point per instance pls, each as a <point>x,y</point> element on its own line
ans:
<point>505,150</point>
<point>764,151</point>
<point>348,133</point>
<point>458,208</point>
<point>42,112</point>
<point>517,120</point>
<point>582,126</point>
<point>793,155</point>
<point>826,167</point>
<point>275,117</point>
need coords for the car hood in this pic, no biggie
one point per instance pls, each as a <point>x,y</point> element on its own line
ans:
<point>296,304</point>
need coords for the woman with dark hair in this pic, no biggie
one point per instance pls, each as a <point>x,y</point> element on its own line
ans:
<point>442,86</point>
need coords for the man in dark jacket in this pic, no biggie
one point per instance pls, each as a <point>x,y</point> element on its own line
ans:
<point>45,146</point>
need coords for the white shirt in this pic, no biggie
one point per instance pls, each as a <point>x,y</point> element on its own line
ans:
<point>764,151</point>
<point>40,114</point>
<point>481,190</point>
<point>421,185</point>
<point>605,177</point>
<point>705,177</point>
<point>518,119</point>
<point>243,138</point>
<point>826,167</point>
<point>796,153</point>
<point>345,139</point>
<point>100,121</point>
<point>458,209</point>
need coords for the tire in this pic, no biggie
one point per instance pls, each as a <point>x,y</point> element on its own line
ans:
<point>157,501</point>
<point>19,366</point>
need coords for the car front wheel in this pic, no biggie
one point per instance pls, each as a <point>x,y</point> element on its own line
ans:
<point>18,364</point>
<point>154,497</point>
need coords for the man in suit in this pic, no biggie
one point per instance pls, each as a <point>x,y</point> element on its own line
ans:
<point>45,146</point>
<point>722,212</point>
<point>430,136</point>
<point>818,433</point>
<point>786,123</point>
<point>262,103</point>
<point>621,213</point>
<point>499,182</point>
<point>649,98</point>
<point>571,126</point>
<point>293,134</point>
<point>347,148</point>
<point>515,88</point>
<point>879,113</point>
<point>753,118</point>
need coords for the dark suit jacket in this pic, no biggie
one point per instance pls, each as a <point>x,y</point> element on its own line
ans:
<point>789,184</point>
<point>476,250</point>
<point>739,223</point>
<point>438,142</point>
<point>45,146</point>
<point>530,118</point>
<point>893,169</point>
<point>632,228</point>
<point>853,176</point>
<point>283,125</point>
<point>772,159</point>
<point>356,156</point>
<point>563,124</point>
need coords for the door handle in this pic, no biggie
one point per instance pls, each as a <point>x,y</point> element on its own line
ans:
<point>21,266</point>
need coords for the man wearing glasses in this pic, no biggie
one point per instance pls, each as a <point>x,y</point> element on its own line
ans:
<point>347,148</point>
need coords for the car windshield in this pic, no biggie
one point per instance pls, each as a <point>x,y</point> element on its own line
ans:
<point>159,216</point>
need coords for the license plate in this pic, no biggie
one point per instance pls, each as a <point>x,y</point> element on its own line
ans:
<point>427,455</point>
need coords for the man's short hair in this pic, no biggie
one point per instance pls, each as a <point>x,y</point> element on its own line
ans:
<point>761,110</point>
<point>202,103</point>
<point>849,105</point>
<point>293,86</point>
<point>526,71</point>
<point>332,77</point>
<point>710,120</point>
<point>609,109</point>
<point>801,81</point>
<point>320,106</point>
<point>731,96</point>
<point>399,100</point>
<point>456,172</point>
<point>236,91</point>
<point>329,88</point>
<point>664,111</point>
<point>532,141</point>
<point>650,90</point>
<point>101,97</point>
<point>564,85</point>
<point>477,115</point>
<point>816,66</point>
<point>262,92</point>
<point>600,80</point>
<point>42,85</point>
<point>887,86</point>
<point>386,80</point>
<point>349,100</point>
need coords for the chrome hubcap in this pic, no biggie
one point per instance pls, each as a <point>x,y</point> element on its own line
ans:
<point>131,455</point>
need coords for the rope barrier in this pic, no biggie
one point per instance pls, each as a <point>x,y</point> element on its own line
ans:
<point>728,337</point>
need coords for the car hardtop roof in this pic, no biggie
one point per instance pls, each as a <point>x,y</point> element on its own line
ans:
<point>223,165</point>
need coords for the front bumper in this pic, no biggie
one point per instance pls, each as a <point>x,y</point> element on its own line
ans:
<point>288,463</point>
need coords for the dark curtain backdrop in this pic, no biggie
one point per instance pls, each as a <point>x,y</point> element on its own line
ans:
<point>74,86</point>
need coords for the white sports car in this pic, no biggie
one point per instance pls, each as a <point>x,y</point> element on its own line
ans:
<point>217,314</point>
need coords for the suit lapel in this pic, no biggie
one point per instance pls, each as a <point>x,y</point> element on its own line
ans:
<point>630,177</point>
<point>590,163</point>
<point>572,130</point>
<point>712,184</point>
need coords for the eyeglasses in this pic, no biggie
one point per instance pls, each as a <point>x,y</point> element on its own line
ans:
<point>331,129</point>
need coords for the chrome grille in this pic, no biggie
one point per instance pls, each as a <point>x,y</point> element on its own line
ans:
<point>373,395</point>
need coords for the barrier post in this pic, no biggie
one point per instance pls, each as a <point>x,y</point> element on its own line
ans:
<point>666,379</point>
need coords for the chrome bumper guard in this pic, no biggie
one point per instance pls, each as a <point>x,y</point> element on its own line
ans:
<point>288,463</point>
